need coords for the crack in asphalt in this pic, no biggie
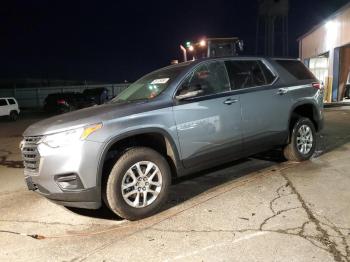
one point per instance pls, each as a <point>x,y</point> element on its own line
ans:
<point>340,234</point>
<point>322,239</point>
<point>275,215</point>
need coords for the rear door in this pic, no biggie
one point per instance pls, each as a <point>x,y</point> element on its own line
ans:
<point>265,106</point>
<point>209,124</point>
<point>3,107</point>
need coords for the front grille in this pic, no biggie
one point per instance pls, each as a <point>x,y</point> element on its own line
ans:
<point>30,153</point>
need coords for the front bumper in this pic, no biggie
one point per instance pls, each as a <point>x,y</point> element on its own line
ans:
<point>87,198</point>
<point>65,175</point>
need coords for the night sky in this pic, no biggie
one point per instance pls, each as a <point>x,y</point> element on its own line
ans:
<point>110,41</point>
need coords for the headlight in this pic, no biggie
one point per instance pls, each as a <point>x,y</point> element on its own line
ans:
<point>69,137</point>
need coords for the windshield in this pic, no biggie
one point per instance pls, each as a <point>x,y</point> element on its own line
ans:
<point>149,86</point>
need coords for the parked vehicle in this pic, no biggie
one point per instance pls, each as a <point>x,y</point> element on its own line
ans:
<point>98,95</point>
<point>9,108</point>
<point>172,122</point>
<point>66,102</point>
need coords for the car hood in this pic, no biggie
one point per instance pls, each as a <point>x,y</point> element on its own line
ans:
<point>86,116</point>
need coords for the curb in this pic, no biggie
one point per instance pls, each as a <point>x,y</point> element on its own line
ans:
<point>336,104</point>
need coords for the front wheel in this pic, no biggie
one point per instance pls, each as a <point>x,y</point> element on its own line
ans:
<point>13,116</point>
<point>302,143</point>
<point>138,184</point>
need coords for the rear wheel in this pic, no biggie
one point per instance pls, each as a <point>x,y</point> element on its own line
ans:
<point>302,143</point>
<point>138,184</point>
<point>63,109</point>
<point>347,91</point>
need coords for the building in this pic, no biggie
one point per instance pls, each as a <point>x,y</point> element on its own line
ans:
<point>325,49</point>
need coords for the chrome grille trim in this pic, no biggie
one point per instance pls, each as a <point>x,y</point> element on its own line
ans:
<point>30,154</point>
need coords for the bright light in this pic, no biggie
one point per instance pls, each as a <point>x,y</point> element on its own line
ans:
<point>331,25</point>
<point>188,44</point>
<point>332,28</point>
<point>191,48</point>
<point>202,43</point>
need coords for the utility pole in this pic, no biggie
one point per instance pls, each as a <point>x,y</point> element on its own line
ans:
<point>184,51</point>
<point>272,22</point>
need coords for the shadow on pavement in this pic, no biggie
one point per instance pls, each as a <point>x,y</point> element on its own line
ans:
<point>102,213</point>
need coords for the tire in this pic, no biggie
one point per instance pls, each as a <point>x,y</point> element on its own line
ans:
<point>124,205</point>
<point>13,116</point>
<point>347,91</point>
<point>63,110</point>
<point>307,146</point>
<point>72,108</point>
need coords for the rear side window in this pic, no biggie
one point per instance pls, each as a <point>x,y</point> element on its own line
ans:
<point>296,68</point>
<point>11,101</point>
<point>249,73</point>
<point>3,102</point>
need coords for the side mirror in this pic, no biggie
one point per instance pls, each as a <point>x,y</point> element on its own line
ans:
<point>189,94</point>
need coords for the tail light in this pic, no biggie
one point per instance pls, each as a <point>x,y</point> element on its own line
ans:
<point>317,85</point>
<point>61,101</point>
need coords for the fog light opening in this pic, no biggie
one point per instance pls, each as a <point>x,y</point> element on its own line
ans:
<point>69,182</point>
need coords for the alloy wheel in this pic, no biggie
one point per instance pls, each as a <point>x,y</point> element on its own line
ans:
<point>304,139</point>
<point>141,184</point>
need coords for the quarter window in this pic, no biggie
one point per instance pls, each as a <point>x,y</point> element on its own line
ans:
<point>209,78</point>
<point>249,73</point>
<point>3,102</point>
<point>296,69</point>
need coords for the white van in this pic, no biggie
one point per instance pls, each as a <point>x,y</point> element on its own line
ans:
<point>9,107</point>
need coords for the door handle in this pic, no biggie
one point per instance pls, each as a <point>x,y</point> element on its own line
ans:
<point>230,101</point>
<point>282,91</point>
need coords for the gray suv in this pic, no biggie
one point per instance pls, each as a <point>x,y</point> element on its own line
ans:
<point>174,121</point>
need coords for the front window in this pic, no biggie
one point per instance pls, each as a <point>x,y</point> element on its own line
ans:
<point>208,78</point>
<point>149,86</point>
<point>3,102</point>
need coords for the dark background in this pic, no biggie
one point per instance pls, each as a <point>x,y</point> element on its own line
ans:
<point>110,41</point>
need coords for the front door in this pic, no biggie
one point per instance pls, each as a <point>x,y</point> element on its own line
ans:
<point>209,124</point>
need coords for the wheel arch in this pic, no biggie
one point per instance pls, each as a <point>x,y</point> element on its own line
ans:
<point>172,154</point>
<point>307,109</point>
